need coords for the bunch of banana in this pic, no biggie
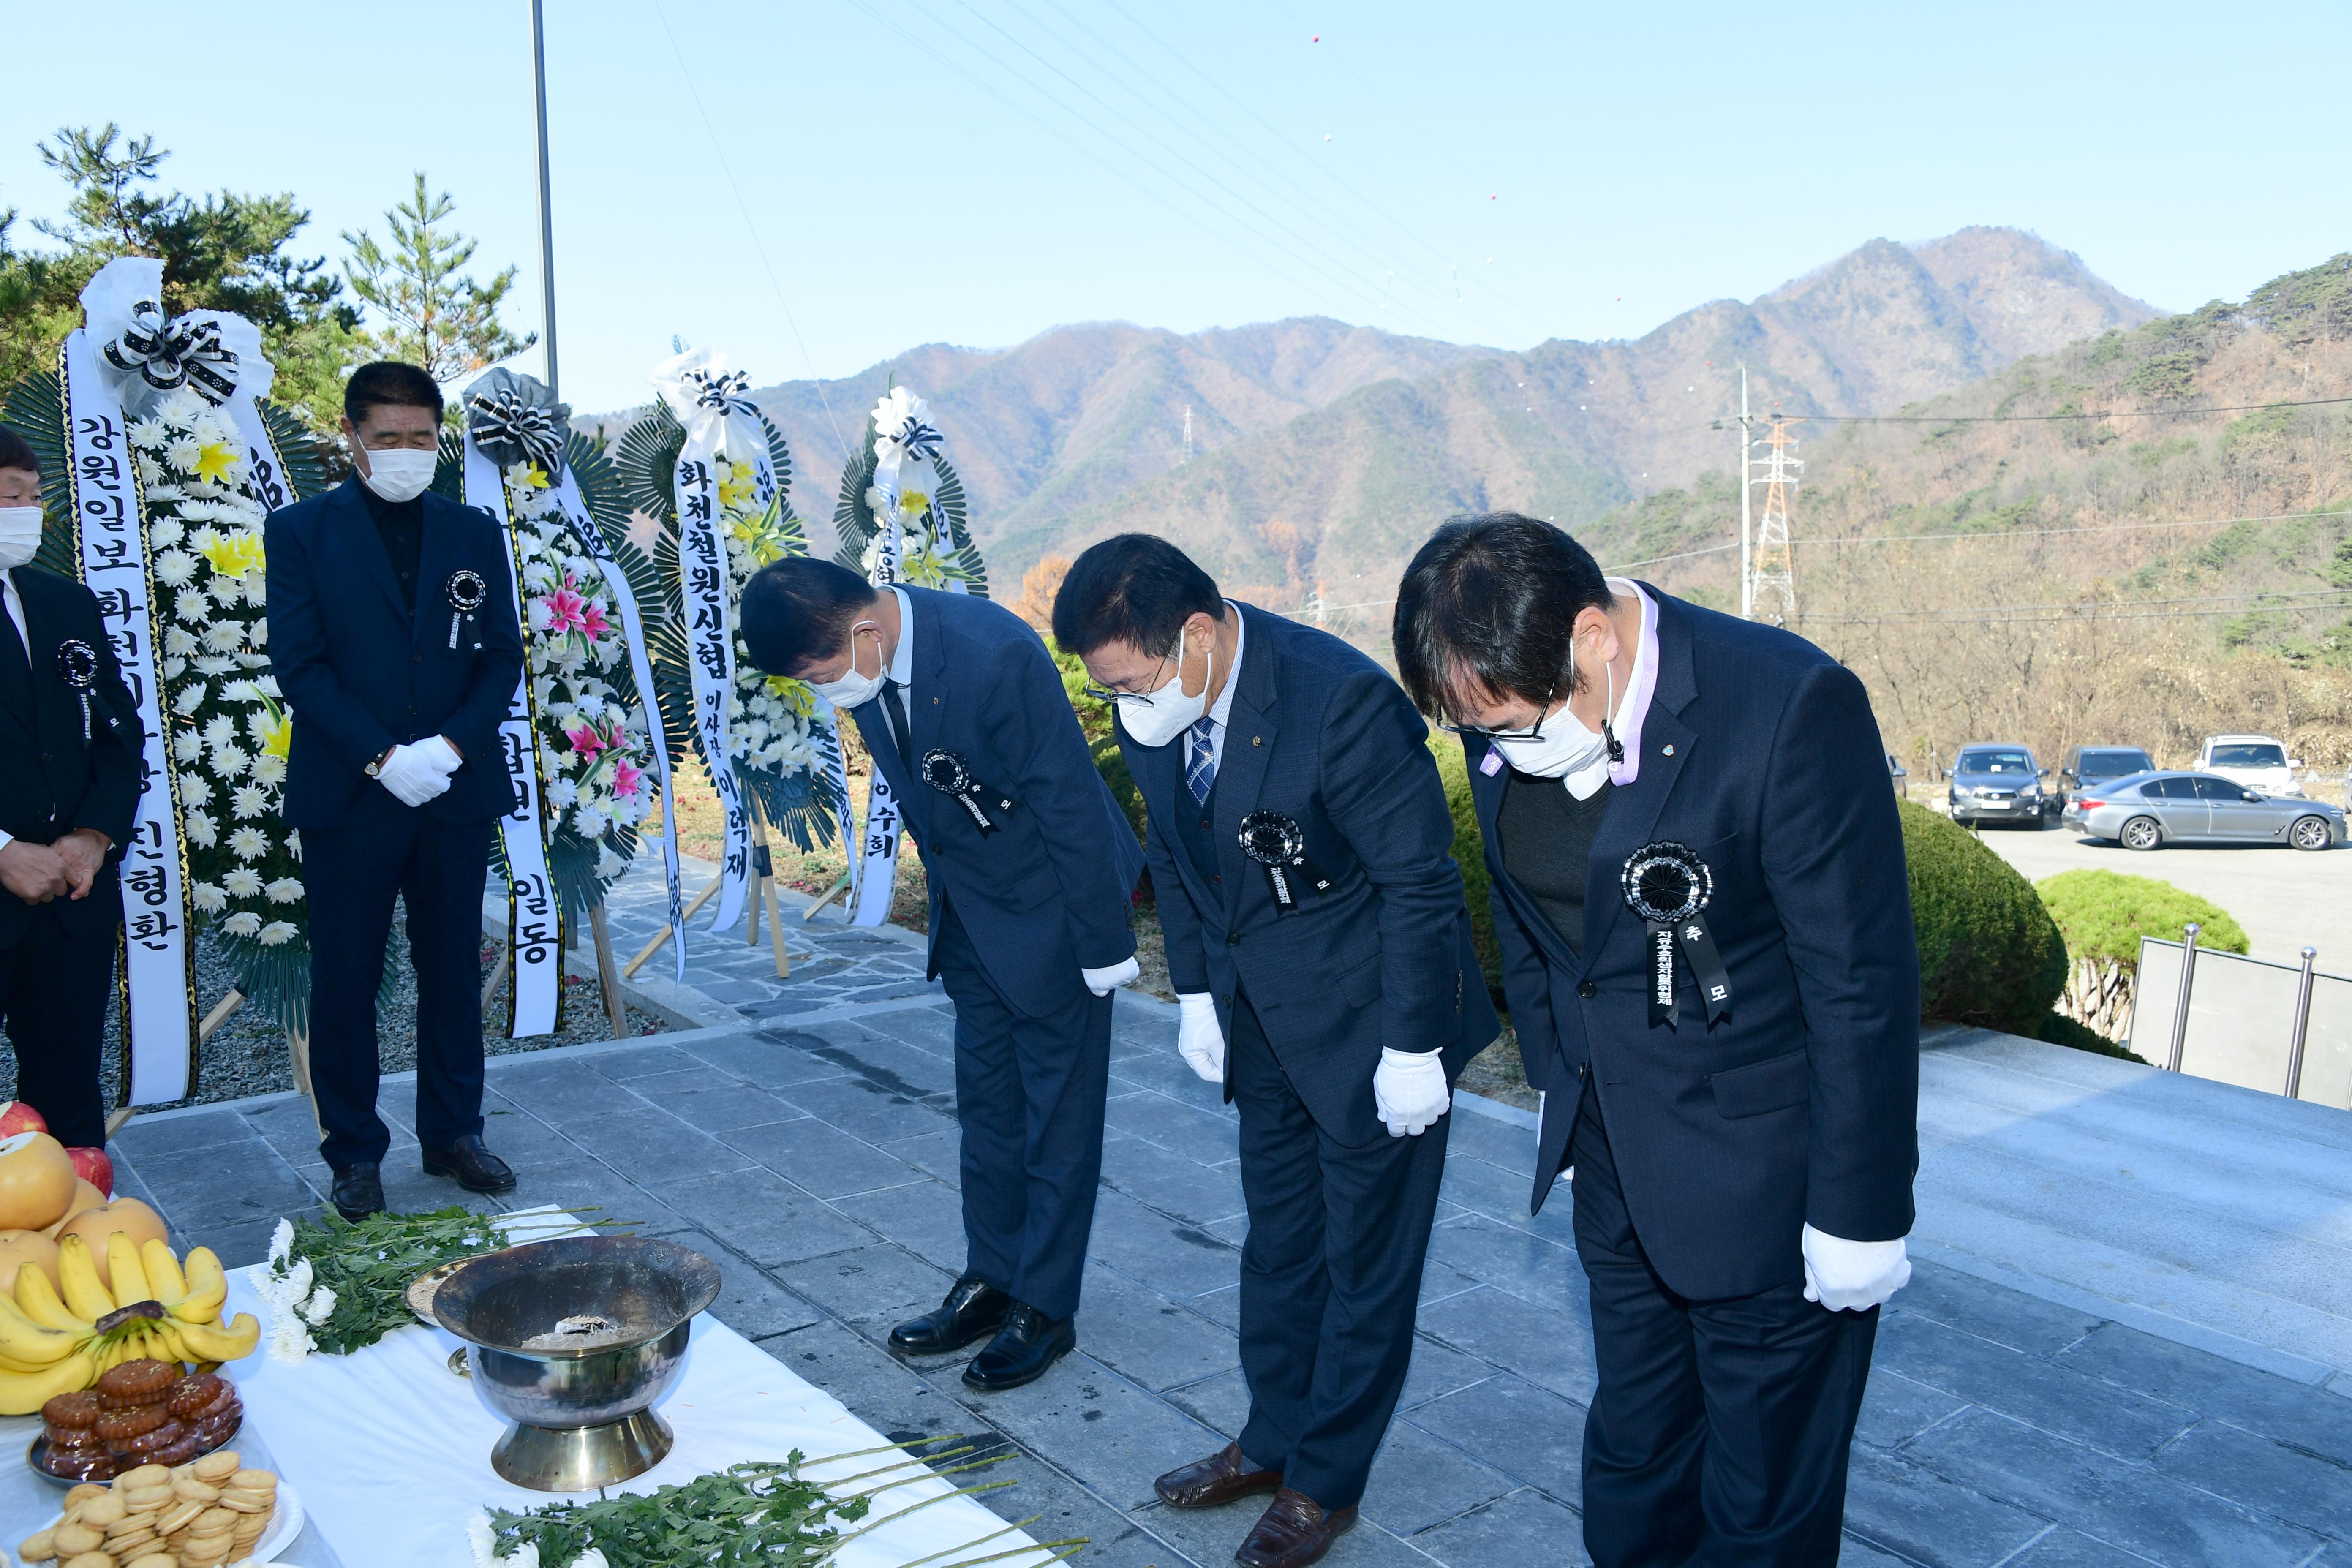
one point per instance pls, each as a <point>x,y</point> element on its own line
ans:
<point>52,1343</point>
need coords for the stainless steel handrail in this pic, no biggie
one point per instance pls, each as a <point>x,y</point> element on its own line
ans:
<point>2302,1025</point>
<point>2180,1005</point>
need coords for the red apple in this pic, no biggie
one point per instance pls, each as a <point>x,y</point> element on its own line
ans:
<point>92,1167</point>
<point>15,1117</point>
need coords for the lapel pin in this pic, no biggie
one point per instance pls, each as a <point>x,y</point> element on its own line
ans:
<point>1669,749</point>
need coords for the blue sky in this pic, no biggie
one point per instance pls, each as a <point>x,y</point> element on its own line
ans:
<point>816,185</point>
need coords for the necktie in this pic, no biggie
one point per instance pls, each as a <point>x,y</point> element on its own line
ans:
<point>1201,762</point>
<point>894,708</point>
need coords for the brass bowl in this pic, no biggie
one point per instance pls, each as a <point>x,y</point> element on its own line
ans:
<point>582,1416</point>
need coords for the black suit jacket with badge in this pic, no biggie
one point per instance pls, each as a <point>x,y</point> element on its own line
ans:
<point>1800,1104</point>
<point>57,780</point>
<point>1324,740</point>
<point>364,669</point>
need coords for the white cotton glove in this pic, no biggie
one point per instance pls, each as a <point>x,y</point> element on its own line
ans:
<point>1410,1088</point>
<point>438,752</point>
<point>1853,1276</point>
<point>1103,981</point>
<point>411,776</point>
<point>1200,1039</point>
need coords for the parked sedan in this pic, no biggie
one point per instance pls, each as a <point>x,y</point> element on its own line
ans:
<point>1997,783</point>
<point>2148,811</point>
<point>2086,767</point>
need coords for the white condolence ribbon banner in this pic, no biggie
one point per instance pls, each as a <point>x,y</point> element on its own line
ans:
<point>534,916</point>
<point>710,402</point>
<point>111,552</point>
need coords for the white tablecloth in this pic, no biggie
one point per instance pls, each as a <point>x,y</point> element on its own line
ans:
<point>390,1451</point>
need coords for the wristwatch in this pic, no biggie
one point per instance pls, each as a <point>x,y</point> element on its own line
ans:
<point>376,768</point>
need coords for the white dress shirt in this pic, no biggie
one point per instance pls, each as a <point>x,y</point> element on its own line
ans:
<point>1221,709</point>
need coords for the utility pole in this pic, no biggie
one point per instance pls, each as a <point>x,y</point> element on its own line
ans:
<point>546,209</point>
<point>1746,560</point>
<point>1774,594</point>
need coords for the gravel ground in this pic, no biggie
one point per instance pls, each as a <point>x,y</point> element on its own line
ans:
<point>247,1054</point>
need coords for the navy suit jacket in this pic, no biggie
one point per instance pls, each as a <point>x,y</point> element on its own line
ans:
<point>1323,735</point>
<point>363,670</point>
<point>1759,752</point>
<point>1046,894</point>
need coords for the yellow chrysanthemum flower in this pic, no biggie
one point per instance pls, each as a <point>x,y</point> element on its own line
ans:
<point>234,555</point>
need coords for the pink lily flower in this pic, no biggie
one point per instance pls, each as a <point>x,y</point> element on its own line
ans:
<point>563,607</point>
<point>592,621</point>
<point>627,780</point>
<point>585,742</point>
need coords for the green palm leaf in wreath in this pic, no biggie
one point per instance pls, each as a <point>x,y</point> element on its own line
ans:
<point>852,520</point>
<point>35,409</point>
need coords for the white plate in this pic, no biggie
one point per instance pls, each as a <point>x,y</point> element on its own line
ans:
<point>284,1526</point>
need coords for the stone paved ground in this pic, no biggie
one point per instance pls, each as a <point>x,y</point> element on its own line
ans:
<point>814,1157</point>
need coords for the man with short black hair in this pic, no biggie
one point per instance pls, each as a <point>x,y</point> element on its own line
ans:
<point>1030,865</point>
<point>1301,852</point>
<point>396,777</point>
<point>68,800</point>
<point>1705,926</point>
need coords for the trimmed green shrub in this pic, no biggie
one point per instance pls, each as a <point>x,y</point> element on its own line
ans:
<point>2103,915</point>
<point>1470,854</point>
<point>1990,954</point>
<point>2057,1029</point>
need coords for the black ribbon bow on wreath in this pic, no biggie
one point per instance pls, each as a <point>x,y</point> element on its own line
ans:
<point>919,440</point>
<point>511,429</point>
<point>946,773</point>
<point>1279,844</point>
<point>1669,886</point>
<point>723,392</point>
<point>169,354</point>
<point>78,668</point>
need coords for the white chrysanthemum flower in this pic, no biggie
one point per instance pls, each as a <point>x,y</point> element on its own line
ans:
<point>148,434</point>
<point>251,801</point>
<point>209,428</point>
<point>179,642</point>
<point>294,844</point>
<point>284,891</point>
<point>191,698</point>
<point>214,664</point>
<point>268,769</point>
<point>245,922</point>
<point>220,730</point>
<point>230,762</point>
<point>189,605</point>
<point>249,844</point>
<point>225,637</point>
<point>194,789</point>
<point>281,1241</point>
<point>166,533</point>
<point>256,594</point>
<point>479,1537</point>
<point>200,829</point>
<point>183,452</point>
<point>608,865</point>
<point>172,669</point>
<point>207,898</point>
<point>538,574</point>
<point>734,707</point>
<point>563,792</point>
<point>289,1341</point>
<point>278,933</point>
<point>591,822</point>
<point>242,881</point>
<point>320,1307</point>
<point>540,616</point>
<point>174,567</point>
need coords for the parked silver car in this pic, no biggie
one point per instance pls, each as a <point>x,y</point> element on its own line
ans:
<point>1998,784</point>
<point>2148,811</point>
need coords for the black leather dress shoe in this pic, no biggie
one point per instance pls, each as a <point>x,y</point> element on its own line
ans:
<point>359,1190</point>
<point>972,1311</point>
<point>1216,1480</point>
<point>474,1167</point>
<point>1293,1533</point>
<point>1029,1343</point>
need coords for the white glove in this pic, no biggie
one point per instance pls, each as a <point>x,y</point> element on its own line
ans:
<point>1200,1039</point>
<point>1853,1276</point>
<point>1410,1088</point>
<point>440,753</point>
<point>411,776</point>
<point>1103,981</point>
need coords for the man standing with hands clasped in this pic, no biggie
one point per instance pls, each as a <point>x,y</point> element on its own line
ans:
<point>1030,865</point>
<point>396,777</point>
<point>1301,851</point>
<point>1706,922</point>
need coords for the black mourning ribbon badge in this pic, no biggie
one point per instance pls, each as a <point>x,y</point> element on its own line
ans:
<point>78,668</point>
<point>946,773</point>
<point>466,592</point>
<point>1668,885</point>
<point>1279,845</point>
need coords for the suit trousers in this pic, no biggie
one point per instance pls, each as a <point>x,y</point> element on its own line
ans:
<point>53,991</point>
<point>1029,1097</point>
<point>1720,1430</point>
<point>1330,1275</point>
<point>354,874</point>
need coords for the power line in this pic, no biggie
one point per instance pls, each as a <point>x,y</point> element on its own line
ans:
<point>2045,418</point>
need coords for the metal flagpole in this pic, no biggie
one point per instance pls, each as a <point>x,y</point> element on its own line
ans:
<point>546,211</point>
<point>1747,564</point>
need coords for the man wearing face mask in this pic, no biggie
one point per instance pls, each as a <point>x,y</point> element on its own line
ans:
<point>396,778</point>
<point>1301,853</point>
<point>68,801</point>
<point>1705,924</point>
<point>1030,864</point>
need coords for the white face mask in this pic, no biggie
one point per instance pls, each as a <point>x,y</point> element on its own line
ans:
<point>1156,718</point>
<point>20,536</point>
<point>853,689</point>
<point>399,474</point>
<point>1562,747</point>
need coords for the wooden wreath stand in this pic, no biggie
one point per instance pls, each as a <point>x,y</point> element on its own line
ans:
<point>763,893</point>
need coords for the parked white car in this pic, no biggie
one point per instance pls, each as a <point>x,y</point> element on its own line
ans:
<point>2257,761</point>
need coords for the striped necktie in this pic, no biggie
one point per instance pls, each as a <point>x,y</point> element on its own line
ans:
<point>1200,761</point>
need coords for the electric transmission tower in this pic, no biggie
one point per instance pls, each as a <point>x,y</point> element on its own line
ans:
<point>1772,581</point>
<point>1188,432</point>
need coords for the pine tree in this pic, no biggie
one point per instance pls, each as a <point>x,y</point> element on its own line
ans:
<point>434,315</point>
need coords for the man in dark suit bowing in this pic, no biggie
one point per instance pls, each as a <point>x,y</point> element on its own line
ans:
<point>1030,866</point>
<point>396,777</point>
<point>1706,922</point>
<point>1301,853</point>
<point>69,797</point>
